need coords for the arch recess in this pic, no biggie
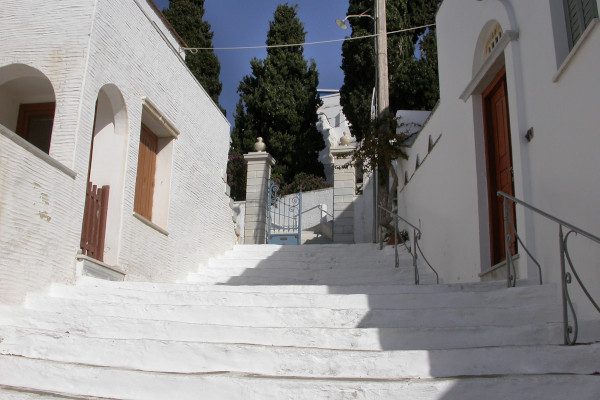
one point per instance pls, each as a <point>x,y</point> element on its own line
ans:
<point>107,164</point>
<point>27,104</point>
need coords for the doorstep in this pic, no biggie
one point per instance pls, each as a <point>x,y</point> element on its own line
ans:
<point>87,266</point>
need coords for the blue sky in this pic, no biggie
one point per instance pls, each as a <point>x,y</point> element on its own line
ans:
<point>245,23</point>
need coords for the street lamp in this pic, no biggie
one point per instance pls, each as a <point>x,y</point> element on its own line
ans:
<point>341,23</point>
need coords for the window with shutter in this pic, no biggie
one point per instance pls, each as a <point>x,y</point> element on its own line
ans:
<point>144,184</point>
<point>579,14</point>
<point>155,160</point>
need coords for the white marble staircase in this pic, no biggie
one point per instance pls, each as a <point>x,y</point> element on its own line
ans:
<point>296,322</point>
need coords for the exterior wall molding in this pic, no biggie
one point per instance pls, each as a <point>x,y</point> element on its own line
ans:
<point>158,116</point>
<point>151,224</point>
<point>87,266</point>
<point>490,67</point>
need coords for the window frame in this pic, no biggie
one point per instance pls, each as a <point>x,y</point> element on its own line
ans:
<point>29,111</point>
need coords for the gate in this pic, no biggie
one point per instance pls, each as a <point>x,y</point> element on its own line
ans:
<point>284,217</point>
<point>94,221</point>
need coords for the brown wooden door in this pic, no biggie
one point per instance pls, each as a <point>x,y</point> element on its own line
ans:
<point>499,162</point>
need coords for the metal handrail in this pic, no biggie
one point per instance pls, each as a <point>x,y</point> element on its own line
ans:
<point>416,236</point>
<point>570,332</point>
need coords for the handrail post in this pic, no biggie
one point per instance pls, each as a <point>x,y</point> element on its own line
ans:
<point>300,218</point>
<point>396,260</point>
<point>563,274</point>
<point>509,280</point>
<point>415,245</point>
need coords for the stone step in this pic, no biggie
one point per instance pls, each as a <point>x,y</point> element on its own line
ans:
<point>494,314</point>
<point>121,383</point>
<point>308,263</point>
<point>321,252</point>
<point>267,249</point>
<point>362,288</point>
<point>120,328</point>
<point>303,254</point>
<point>198,357</point>
<point>8,393</point>
<point>320,273</point>
<point>328,278</point>
<point>513,297</point>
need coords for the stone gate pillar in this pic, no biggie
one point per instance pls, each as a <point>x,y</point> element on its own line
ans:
<point>344,186</point>
<point>257,188</point>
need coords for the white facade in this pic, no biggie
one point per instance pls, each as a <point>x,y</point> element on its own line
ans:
<point>110,65</point>
<point>551,89</point>
<point>332,125</point>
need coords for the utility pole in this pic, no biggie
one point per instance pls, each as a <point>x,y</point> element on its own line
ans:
<point>383,97</point>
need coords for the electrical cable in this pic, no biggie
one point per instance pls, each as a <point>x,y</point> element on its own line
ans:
<point>195,50</point>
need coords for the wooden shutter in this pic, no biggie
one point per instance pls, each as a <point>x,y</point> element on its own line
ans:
<point>579,14</point>
<point>144,185</point>
<point>590,11</point>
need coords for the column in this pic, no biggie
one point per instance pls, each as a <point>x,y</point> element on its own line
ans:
<point>344,186</point>
<point>257,187</point>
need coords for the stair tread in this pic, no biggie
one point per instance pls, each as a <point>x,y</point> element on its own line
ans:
<point>308,322</point>
<point>202,357</point>
<point>120,383</point>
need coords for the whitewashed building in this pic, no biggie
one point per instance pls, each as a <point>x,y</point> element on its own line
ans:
<point>332,125</point>
<point>97,91</point>
<point>519,112</point>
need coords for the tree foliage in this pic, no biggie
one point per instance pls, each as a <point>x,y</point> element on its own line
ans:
<point>413,81</point>
<point>237,168</point>
<point>186,17</point>
<point>413,85</point>
<point>279,102</point>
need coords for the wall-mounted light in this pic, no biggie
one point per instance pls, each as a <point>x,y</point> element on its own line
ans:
<point>529,134</point>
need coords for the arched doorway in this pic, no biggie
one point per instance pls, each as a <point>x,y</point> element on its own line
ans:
<point>27,104</point>
<point>492,139</point>
<point>102,219</point>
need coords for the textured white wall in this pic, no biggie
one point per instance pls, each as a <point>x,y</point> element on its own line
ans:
<point>554,172</point>
<point>40,206</point>
<point>363,212</point>
<point>107,42</point>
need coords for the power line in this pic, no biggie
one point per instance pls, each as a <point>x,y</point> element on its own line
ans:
<point>194,50</point>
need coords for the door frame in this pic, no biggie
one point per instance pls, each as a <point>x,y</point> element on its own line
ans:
<point>495,213</point>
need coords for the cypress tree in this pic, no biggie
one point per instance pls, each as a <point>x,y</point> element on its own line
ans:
<point>186,17</point>
<point>279,102</point>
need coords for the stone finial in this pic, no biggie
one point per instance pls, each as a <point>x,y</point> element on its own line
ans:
<point>345,140</point>
<point>259,146</point>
